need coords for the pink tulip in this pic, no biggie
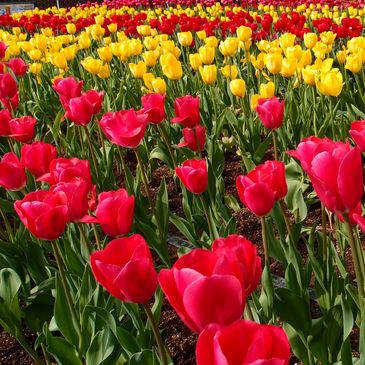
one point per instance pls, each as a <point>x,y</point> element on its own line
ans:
<point>357,132</point>
<point>193,137</point>
<point>187,111</point>
<point>194,175</point>
<point>154,107</point>
<point>271,112</point>
<point>12,174</point>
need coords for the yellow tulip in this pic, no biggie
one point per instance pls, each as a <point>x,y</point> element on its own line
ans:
<point>258,62</point>
<point>185,38</point>
<point>151,43</point>
<point>289,66</point>
<point>105,54</point>
<point>16,30</point>
<point>207,54</point>
<point>136,47</point>
<point>341,57</point>
<point>273,62</point>
<point>195,61</point>
<point>330,83</point>
<point>115,49</point>
<point>238,87</point>
<point>171,66</point>
<point>150,58</point>
<point>310,40</point>
<point>159,85</point>
<point>201,34</point>
<point>229,71</point>
<point>244,33</point>
<point>35,54</point>
<point>320,50</point>
<point>309,75</point>
<point>147,79</point>
<point>144,30</point>
<point>328,37</point>
<point>138,69</point>
<point>254,101</point>
<point>71,28</point>
<point>287,40</point>
<point>59,60</point>
<point>353,63</point>
<point>267,90</point>
<point>229,46</point>
<point>104,71</point>
<point>125,50</point>
<point>208,73</point>
<point>84,41</point>
<point>306,58</point>
<point>92,65</point>
<point>113,27</point>
<point>295,51</point>
<point>211,41</point>
<point>35,68</point>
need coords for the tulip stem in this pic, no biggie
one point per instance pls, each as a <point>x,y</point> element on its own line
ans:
<point>91,146</point>
<point>324,233</point>
<point>249,311</point>
<point>162,130</point>
<point>287,222</point>
<point>265,241</point>
<point>97,239</point>
<point>66,290</point>
<point>156,332</point>
<point>355,259</point>
<point>84,238</point>
<point>212,227</point>
<point>7,225</point>
<point>197,143</point>
<point>275,145</point>
<point>10,145</point>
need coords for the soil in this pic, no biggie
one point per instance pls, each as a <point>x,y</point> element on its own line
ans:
<point>179,339</point>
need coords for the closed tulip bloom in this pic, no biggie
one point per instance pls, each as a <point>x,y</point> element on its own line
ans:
<point>195,61</point>
<point>357,132</point>
<point>335,171</point>
<point>115,212</point>
<point>67,89</point>
<point>125,269</point>
<point>207,54</point>
<point>262,186</point>
<point>353,63</point>
<point>124,128</point>
<point>230,71</point>
<point>18,66</point>
<point>287,40</point>
<point>3,47</point>
<point>270,112</point>
<point>138,69</point>
<point>289,66</point>
<point>257,344</point>
<point>185,38</point>
<point>171,66</point>
<point>238,87</point>
<point>76,192</point>
<point>22,129</point>
<point>194,140</point>
<point>159,85</point>
<point>330,83</point>
<point>310,40</point>
<point>11,103</point>
<point>8,86</point>
<point>105,54</point>
<point>92,65</point>
<point>12,174</point>
<point>71,28</point>
<point>5,118</point>
<point>203,288</point>
<point>44,213</point>
<point>66,169</point>
<point>150,58</point>
<point>341,57</point>
<point>187,111</point>
<point>244,33</point>
<point>229,46</point>
<point>208,73</point>
<point>194,175</point>
<point>36,157</point>
<point>154,106</point>
<point>309,75</point>
<point>267,90</point>
<point>273,62</point>
<point>243,253</point>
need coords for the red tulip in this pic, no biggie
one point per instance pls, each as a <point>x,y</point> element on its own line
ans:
<point>12,174</point>
<point>36,157</point>
<point>335,171</point>
<point>271,112</point>
<point>357,132</point>
<point>204,287</point>
<point>191,138</point>
<point>194,175</point>
<point>3,48</point>
<point>8,86</point>
<point>11,103</point>
<point>44,213</point>
<point>124,128</point>
<point>154,107</point>
<point>76,193</point>
<point>67,169</point>
<point>5,118</point>
<point>262,186</point>
<point>67,89</point>
<point>125,269</point>
<point>18,66</point>
<point>243,343</point>
<point>22,129</point>
<point>187,111</point>
<point>242,254</point>
<point>115,212</point>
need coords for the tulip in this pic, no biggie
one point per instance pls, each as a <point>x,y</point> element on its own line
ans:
<point>330,83</point>
<point>12,174</point>
<point>150,58</point>
<point>238,87</point>
<point>341,57</point>
<point>229,71</point>
<point>8,86</point>
<point>124,128</point>
<point>171,67</point>
<point>22,129</point>
<point>267,90</point>
<point>208,73</point>
<point>289,67</point>
<point>335,171</point>
<point>273,63</point>
<point>270,112</point>
<point>262,186</point>
<point>66,169</point>
<point>76,193</point>
<point>229,46</point>
<point>59,60</point>
<point>113,27</point>
<point>357,132</point>
<point>18,66</point>
<point>203,288</point>
<point>194,138</point>
<point>115,212</point>
<point>310,40</point>
<point>244,33</point>
<point>207,54</point>
<point>71,28</point>
<point>154,107</point>
<point>353,63</point>
<point>159,85</point>
<point>67,89</point>
<point>309,75</point>
<point>287,40</point>
<point>185,38</point>
<point>138,69</point>
<point>187,111</point>
<point>211,41</point>
<point>92,65</point>
<point>5,118</point>
<point>3,48</point>
<point>194,175</point>
<point>36,157</point>
<point>35,68</point>
<point>257,344</point>
<point>11,103</point>
<point>125,269</point>
<point>44,213</point>
<point>195,61</point>
<point>105,54</point>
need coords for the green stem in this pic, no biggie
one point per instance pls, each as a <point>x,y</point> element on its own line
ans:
<point>161,128</point>
<point>275,145</point>
<point>91,146</point>
<point>212,227</point>
<point>71,305</point>
<point>265,241</point>
<point>249,311</point>
<point>97,239</point>
<point>355,259</point>
<point>7,225</point>
<point>10,145</point>
<point>45,354</point>
<point>324,233</point>
<point>287,221</point>
<point>86,242</point>
<point>156,332</point>
<point>197,143</point>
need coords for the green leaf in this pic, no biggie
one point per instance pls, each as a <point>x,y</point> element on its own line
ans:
<point>146,357</point>
<point>101,348</point>
<point>162,207</point>
<point>39,311</point>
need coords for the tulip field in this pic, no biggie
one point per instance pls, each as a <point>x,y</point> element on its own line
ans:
<point>182,183</point>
